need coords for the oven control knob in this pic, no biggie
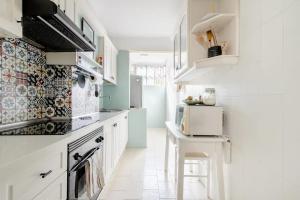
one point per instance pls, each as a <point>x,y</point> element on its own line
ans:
<point>99,139</point>
<point>77,156</point>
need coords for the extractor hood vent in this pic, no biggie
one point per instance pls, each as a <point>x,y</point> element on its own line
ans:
<point>45,25</point>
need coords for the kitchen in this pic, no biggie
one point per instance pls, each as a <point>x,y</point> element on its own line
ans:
<point>174,99</point>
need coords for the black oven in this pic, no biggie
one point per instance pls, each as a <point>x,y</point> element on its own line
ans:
<point>85,163</point>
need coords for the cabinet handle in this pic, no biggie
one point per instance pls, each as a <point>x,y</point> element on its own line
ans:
<point>115,125</point>
<point>43,175</point>
<point>125,117</point>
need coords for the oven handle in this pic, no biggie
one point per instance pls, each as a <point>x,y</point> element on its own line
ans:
<point>78,165</point>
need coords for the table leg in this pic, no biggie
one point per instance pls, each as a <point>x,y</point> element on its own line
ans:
<point>220,174</point>
<point>167,151</point>
<point>180,173</point>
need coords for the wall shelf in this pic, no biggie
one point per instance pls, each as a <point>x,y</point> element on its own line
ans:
<point>216,22</point>
<point>202,66</point>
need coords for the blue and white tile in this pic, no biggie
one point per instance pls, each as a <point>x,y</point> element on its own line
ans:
<point>21,103</point>
<point>8,116</point>
<point>32,91</point>
<point>8,76</point>
<point>21,53</point>
<point>21,66</point>
<point>21,115</point>
<point>21,90</point>
<point>8,62</point>
<point>8,103</point>
<point>8,49</point>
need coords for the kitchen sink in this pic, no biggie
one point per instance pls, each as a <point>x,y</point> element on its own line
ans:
<point>110,110</point>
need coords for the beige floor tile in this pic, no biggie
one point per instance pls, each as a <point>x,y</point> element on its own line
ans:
<point>141,175</point>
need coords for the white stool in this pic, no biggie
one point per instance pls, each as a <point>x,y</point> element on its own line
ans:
<point>199,157</point>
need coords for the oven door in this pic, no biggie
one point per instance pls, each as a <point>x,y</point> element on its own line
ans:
<point>86,179</point>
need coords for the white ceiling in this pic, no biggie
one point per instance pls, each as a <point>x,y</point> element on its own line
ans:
<point>149,58</point>
<point>137,18</point>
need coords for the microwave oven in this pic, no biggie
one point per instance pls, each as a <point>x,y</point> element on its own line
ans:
<point>199,120</point>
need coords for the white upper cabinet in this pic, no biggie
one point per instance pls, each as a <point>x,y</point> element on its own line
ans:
<point>67,6</point>
<point>109,54</point>
<point>114,54</point>
<point>70,9</point>
<point>10,16</point>
<point>204,25</point>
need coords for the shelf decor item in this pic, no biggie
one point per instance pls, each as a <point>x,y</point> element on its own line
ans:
<point>209,97</point>
<point>214,49</point>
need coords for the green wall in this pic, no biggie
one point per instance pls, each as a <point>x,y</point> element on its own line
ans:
<point>137,128</point>
<point>154,99</point>
<point>120,93</point>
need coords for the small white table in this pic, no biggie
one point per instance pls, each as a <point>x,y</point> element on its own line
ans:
<point>211,145</point>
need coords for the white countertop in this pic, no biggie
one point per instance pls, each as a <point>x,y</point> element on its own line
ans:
<point>13,148</point>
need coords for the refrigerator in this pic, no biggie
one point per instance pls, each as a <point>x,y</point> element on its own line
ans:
<point>136,91</point>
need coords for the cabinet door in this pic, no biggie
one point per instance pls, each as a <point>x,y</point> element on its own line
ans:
<point>55,191</point>
<point>114,55</point>
<point>124,132</point>
<point>62,5</point>
<point>10,14</point>
<point>183,43</point>
<point>108,153</point>
<point>70,9</point>
<point>116,145</point>
<point>107,61</point>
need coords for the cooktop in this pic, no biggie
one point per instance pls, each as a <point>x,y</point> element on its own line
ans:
<point>48,126</point>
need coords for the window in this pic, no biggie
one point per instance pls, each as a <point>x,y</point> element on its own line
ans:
<point>153,74</point>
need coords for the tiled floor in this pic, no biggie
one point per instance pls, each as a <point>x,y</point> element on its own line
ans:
<point>141,176</point>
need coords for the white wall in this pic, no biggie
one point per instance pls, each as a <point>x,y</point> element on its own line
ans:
<point>261,99</point>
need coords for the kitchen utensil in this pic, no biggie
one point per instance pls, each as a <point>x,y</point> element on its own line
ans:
<point>211,38</point>
<point>81,80</point>
<point>96,91</point>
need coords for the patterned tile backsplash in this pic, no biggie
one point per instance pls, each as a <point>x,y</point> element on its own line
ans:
<point>31,89</point>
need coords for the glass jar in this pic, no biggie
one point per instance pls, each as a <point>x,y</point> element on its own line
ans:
<point>209,97</point>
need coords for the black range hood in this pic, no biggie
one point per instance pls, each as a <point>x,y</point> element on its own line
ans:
<point>45,25</point>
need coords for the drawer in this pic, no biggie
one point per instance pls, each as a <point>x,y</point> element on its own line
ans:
<point>56,191</point>
<point>23,180</point>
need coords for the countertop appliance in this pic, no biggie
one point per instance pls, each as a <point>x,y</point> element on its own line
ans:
<point>199,120</point>
<point>85,166</point>
<point>45,25</point>
<point>136,91</point>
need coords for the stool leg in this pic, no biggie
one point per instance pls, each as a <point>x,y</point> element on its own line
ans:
<point>176,151</point>
<point>180,174</point>
<point>167,151</point>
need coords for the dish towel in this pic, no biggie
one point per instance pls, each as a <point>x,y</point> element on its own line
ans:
<point>88,177</point>
<point>99,176</point>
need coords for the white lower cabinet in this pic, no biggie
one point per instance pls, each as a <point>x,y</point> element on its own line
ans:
<point>56,190</point>
<point>42,175</point>
<point>26,178</point>
<point>115,137</point>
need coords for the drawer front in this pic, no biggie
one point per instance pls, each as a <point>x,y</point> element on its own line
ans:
<point>56,191</point>
<point>23,179</point>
